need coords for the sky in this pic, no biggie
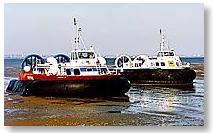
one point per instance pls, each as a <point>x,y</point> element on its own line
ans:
<point>113,29</point>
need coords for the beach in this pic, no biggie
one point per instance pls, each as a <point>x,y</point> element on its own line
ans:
<point>140,107</point>
<point>72,112</point>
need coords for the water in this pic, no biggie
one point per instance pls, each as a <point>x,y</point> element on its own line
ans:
<point>145,105</point>
<point>180,106</point>
<point>193,60</point>
<point>12,62</point>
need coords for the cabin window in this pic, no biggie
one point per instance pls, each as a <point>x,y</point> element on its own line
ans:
<point>157,63</point>
<point>89,70</point>
<point>103,70</point>
<point>177,63</point>
<point>86,55</point>
<point>68,71</point>
<point>83,69</point>
<point>94,69</point>
<point>76,71</point>
<point>166,53</point>
<point>162,63</point>
<point>71,56</point>
<point>171,53</point>
<point>137,64</point>
<point>75,56</point>
<point>160,54</point>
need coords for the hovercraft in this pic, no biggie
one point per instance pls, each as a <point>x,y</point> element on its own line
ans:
<point>82,74</point>
<point>166,69</point>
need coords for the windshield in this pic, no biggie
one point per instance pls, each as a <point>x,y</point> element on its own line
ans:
<point>86,55</point>
<point>169,53</point>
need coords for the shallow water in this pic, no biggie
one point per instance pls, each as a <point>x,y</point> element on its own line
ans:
<point>183,107</point>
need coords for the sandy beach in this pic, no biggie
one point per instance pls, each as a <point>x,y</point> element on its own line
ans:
<point>31,111</point>
<point>53,111</point>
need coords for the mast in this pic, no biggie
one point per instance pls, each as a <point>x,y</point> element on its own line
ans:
<point>163,45</point>
<point>78,39</point>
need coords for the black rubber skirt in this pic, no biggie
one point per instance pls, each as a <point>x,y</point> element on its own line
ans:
<point>66,88</point>
<point>161,77</point>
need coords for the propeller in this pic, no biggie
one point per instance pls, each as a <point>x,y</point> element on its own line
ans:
<point>121,60</point>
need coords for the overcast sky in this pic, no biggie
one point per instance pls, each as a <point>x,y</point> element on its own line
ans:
<point>112,28</point>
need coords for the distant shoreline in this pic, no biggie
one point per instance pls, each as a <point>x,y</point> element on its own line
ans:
<point>110,57</point>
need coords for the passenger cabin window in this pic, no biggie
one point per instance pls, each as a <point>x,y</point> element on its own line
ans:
<point>68,71</point>
<point>157,63</point>
<point>76,72</point>
<point>86,55</point>
<point>177,63</point>
<point>166,53</point>
<point>72,56</point>
<point>162,63</point>
<point>83,69</point>
<point>75,56</point>
<point>89,69</point>
<point>103,70</point>
<point>94,69</point>
<point>160,54</point>
<point>171,53</point>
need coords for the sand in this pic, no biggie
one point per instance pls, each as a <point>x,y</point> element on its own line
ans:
<point>52,111</point>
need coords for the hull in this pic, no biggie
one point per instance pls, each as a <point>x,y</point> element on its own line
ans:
<point>161,77</point>
<point>75,87</point>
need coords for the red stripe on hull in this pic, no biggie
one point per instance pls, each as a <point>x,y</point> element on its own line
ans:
<point>30,76</point>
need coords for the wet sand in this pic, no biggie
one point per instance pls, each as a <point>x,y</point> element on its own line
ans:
<point>53,111</point>
<point>49,111</point>
<point>199,69</point>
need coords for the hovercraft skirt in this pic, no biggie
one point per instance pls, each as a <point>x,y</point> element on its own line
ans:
<point>73,88</point>
<point>161,77</point>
